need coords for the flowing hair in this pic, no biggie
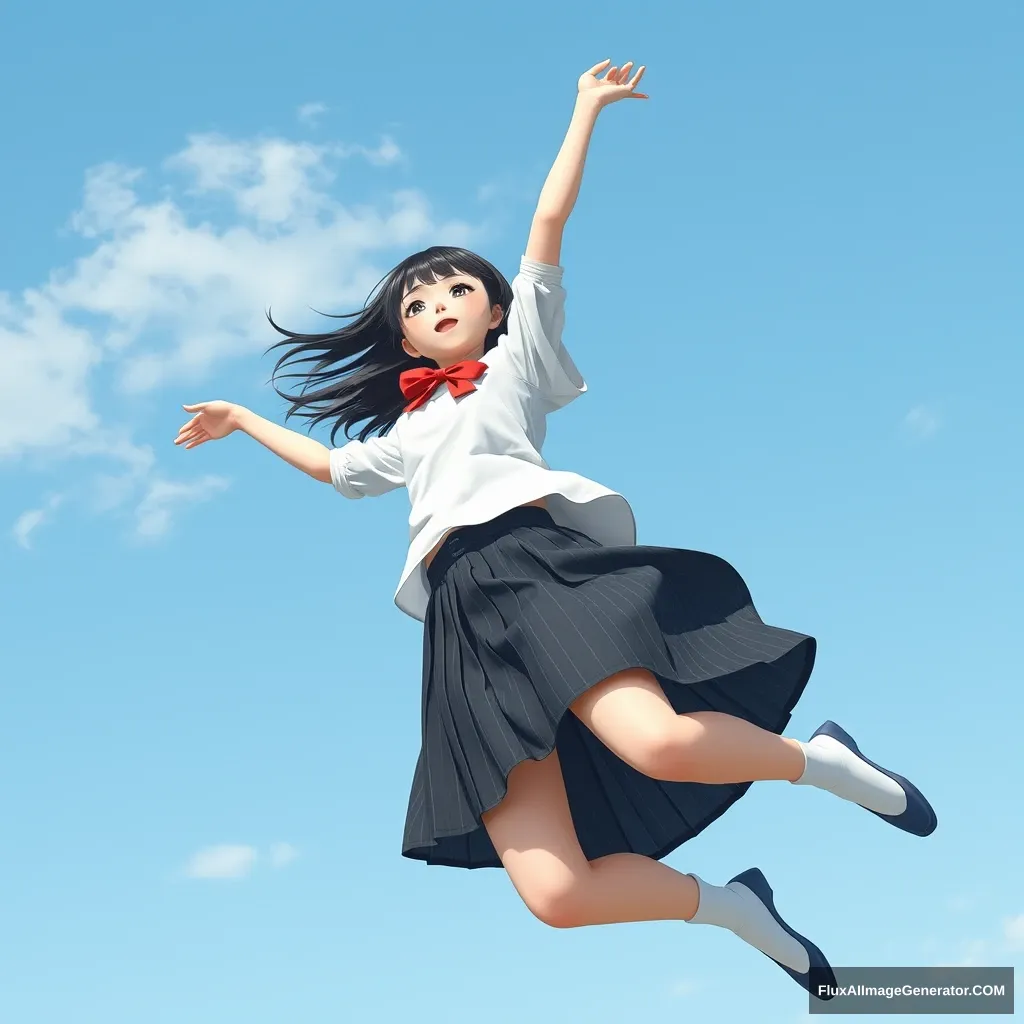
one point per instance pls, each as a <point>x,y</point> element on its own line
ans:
<point>351,375</point>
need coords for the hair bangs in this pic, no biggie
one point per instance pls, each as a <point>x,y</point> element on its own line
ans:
<point>435,264</point>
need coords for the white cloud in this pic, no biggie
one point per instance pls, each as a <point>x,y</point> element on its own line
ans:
<point>109,199</point>
<point>153,515</point>
<point>221,862</point>
<point>922,422</point>
<point>282,854</point>
<point>309,113</point>
<point>45,363</point>
<point>178,269</point>
<point>32,519</point>
<point>1013,933</point>
<point>272,181</point>
<point>175,297</point>
<point>386,153</point>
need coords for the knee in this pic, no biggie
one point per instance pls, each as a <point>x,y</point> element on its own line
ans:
<point>666,751</point>
<point>558,904</point>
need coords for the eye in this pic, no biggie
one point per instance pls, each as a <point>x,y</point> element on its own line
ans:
<point>456,291</point>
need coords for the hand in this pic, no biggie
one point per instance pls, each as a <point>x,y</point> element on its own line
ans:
<point>212,421</point>
<point>616,84</point>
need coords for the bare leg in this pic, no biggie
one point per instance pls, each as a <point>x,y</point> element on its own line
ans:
<point>631,715</point>
<point>533,833</point>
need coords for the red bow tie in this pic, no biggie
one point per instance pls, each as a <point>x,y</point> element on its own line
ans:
<point>419,384</point>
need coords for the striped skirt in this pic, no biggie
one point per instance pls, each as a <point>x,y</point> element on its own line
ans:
<point>524,616</point>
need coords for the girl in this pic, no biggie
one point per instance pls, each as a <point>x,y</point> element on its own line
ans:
<point>588,704</point>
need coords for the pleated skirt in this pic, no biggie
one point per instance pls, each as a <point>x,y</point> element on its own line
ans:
<point>524,616</point>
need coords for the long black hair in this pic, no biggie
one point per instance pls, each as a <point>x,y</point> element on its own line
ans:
<point>352,373</point>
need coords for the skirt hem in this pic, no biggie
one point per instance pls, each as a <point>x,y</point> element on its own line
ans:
<point>422,851</point>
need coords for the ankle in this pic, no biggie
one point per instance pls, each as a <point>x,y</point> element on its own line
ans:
<point>798,768</point>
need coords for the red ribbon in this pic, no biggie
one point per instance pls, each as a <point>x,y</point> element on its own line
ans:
<point>419,384</point>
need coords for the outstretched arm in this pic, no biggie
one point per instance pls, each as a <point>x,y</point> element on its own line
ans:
<point>558,196</point>
<point>214,420</point>
<point>358,469</point>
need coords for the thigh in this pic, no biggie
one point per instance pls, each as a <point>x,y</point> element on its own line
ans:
<point>630,714</point>
<point>533,834</point>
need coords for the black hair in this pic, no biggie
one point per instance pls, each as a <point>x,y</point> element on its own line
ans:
<point>352,373</point>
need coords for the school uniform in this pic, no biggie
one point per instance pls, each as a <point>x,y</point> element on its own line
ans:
<point>524,609</point>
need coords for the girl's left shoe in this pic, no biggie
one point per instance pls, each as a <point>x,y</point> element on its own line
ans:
<point>746,906</point>
<point>835,763</point>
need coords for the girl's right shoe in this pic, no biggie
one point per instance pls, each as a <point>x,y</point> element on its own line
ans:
<point>835,763</point>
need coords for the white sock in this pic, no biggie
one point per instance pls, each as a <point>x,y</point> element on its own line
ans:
<point>837,769</point>
<point>737,909</point>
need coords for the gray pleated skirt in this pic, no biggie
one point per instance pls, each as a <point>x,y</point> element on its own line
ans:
<point>523,617</point>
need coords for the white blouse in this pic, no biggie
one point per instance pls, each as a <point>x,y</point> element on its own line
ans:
<point>466,460</point>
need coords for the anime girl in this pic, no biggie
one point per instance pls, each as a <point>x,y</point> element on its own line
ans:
<point>588,704</point>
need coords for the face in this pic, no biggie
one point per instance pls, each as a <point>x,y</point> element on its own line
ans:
<point>447,320</point>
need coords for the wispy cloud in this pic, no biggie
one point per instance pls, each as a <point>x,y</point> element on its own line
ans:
<point>225,861</point>
<point>921,422</point>
<point>684,987</point>
<point>30,520</point>
<point>236,860</point>
<point>154,513</point>
<point>974,953</point>
<point>282,854</point>
<point>386,153</point>
<point>982,952</point>
<point>310,113</point>
<point>507,189</point>
<point>180,265</point>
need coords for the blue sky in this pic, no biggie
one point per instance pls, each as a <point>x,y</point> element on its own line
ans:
<point>794,289</point>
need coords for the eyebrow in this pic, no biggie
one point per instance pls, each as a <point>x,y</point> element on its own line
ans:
<point>438,281</point>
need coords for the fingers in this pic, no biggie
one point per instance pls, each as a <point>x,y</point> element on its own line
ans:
<point>618,79</point>
<point>194,440</point>
<point>193,434</point>
<point>189,432</point>
<point>628,85</point>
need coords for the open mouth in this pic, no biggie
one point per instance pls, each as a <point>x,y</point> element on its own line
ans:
<point>446,325</point>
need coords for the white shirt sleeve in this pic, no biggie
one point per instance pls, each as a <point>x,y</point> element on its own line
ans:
<point>365,469</point>
<point>534,339</point>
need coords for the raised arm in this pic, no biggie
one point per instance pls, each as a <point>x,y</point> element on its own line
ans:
<point>562,186</point>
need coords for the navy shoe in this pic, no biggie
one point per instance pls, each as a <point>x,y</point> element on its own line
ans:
<point>820,980</point>
<point>919,818</point>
